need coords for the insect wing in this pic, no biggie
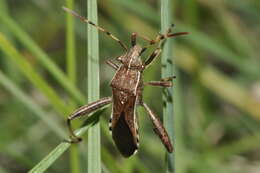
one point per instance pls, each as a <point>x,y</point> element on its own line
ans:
<point>124,123</point>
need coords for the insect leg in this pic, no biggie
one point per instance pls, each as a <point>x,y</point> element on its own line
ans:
<point>85,110</point>
<point>83,19</point>
<point>134,36</point>
<point>159,128</point>
<point>165,82</point>
<point>112,64</point>
<point>161,37</point>
<point>155,54</point>
<point>159,83</point>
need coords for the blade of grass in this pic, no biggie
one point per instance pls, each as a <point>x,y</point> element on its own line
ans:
<point>219,84</point>
<point>71,70</point>
<point>94,150</point>
<point>167,70</point>
<point>8,67</point>
<point>201,40</point>
<point>41,55</point>
<point>32,135</point>
<point>28,70</point>
<point>27,101</point>
<point>246,144</point>
<point>46,162</point>
<point>70,44</point>
<point>179,124</point>
<point>233,26</point>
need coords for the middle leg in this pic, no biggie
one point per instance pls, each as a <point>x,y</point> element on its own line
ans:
<point>165,82</point>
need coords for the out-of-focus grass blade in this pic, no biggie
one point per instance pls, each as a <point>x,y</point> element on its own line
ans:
<point>7,65</point>
<point>9,85</point>
<point>71,71</point>
<point>204,42</point>
<point>219,84</point>
<point>233,26</point>
<point>167,70</point>
<point>3,6</point>
<point>46,162</point>
<point>28,70</point>
<point>245,144</point>
<point>70,44</point>
<point>223,53</point>
<point>179,125</point>
<point>141,9</point>
<point>2,170</point>
<point>44,59</point>
<point>94,148</point>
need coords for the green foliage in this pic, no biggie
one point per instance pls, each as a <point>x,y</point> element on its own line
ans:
<point>167,70</point>
<point>94,145</point>
<point>216,94</point>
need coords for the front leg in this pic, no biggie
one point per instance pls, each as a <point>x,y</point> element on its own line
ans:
<point>159,128</point>
<point>83,111</point>
<point>154,55</point>
<point>112,64</point>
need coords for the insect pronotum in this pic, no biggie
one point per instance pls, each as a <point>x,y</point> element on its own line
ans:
<point>127,88</point>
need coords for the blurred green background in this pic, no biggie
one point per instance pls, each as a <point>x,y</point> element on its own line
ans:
<point>217,90</point>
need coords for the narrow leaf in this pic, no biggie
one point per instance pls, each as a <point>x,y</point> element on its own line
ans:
<point>167,70</point>
<point>94,150</point>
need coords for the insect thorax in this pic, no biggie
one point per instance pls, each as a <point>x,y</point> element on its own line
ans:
<point>128,76</point>
<point>132,58</point>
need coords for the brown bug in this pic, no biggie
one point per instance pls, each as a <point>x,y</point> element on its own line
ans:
<point>127,88</point>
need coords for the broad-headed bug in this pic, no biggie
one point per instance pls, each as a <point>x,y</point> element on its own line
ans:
<point>127,88</point>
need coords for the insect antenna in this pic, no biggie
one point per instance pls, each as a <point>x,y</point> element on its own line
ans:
<point>83,19</point>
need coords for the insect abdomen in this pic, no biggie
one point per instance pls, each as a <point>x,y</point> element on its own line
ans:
<point>123,137</point>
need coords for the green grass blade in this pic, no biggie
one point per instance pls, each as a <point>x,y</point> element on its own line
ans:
<point>223,53</point>
<point>201,40</point>
<point>15,29</point>
<point>219,84</point>
<point>179,124</point>
<point>70,44</point>
<point>167,70</point>
<point>46,162</point>
<point>71,71</point>
<point>94,150</point>
<point>28,70</point>
<point>4,6</point>
<point>243,145</point>
<point>7,65</point>
<point>27,101</point>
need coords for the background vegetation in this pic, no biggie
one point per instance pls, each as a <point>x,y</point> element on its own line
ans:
<point>217,90</point>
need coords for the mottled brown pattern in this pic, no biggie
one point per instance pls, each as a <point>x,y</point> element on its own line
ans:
<point>125,80</point>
